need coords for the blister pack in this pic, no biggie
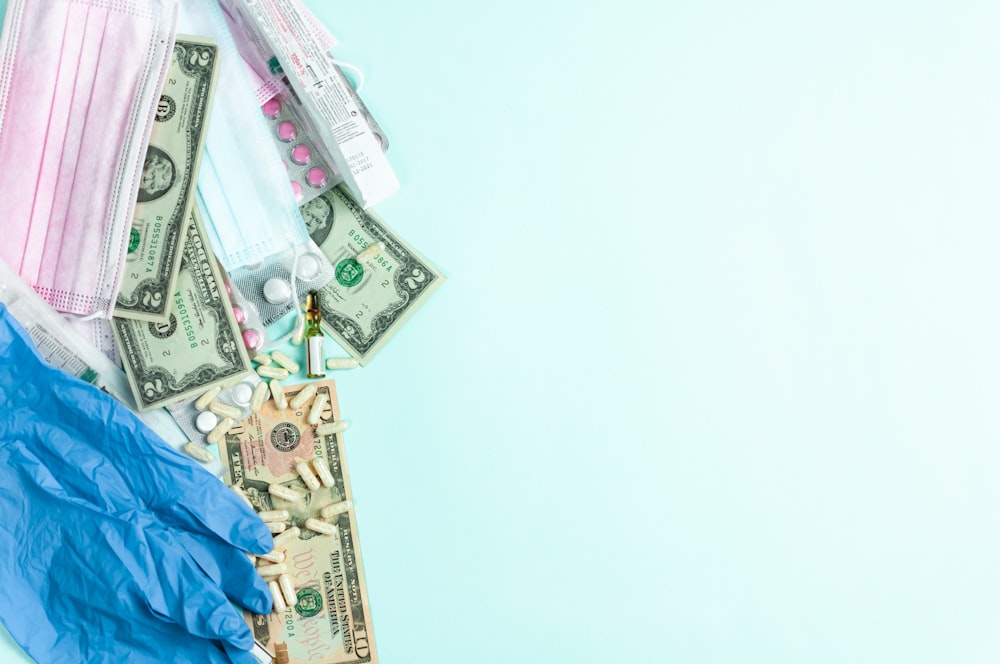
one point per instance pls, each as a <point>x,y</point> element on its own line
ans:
<point>269,285</point>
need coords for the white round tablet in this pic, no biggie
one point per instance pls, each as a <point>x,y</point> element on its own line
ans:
<point>277,291</point>
<point>308,267</point>
<point>242,393</point>
<point>206,421</point>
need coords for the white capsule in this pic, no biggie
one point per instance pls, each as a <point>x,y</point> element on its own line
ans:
<point>300,331</point>
<point>273,570</point>
<point>331,428</point>
<point>196,451</point>
<point>220,430</point>
<point>260,394</point>
<point>276,527</point>
<point>284,492</point>
<point>286,538</point>
<point>321,527</point>
<point>274,515</point>
<point>322,469</point>
<point>274,556</point>
<point>206,421</point>
<point>287,589</point>
<point>243,392</point>
<point>225,410</point>
<point>306,473</point>
<point>207,398</point>
<point>252,558</point>
<point>331,511</point>
<point>263,359</point>
<point>278,394</point>
<point>279,601</point>
<point>317,409</point>
<point>285,361</point>
<point>272,372</point>
<point>371,251</point>
<point>307,393</point>
<point>341,363</point>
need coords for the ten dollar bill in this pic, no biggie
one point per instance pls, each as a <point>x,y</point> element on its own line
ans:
<point>198,346</point>
<point>364,305</point>
<point>331,621</point>
<point>169,176</point>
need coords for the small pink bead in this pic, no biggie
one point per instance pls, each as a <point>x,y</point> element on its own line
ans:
<point>251,339</point>
<point>301,154</point>
<point>272,107</point>
<point>239,315</point>
<point>287,131</point>
<point>316,177</point>
<point>296,189</point>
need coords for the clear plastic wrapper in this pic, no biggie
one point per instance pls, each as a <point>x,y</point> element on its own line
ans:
<point>268,285</point>
<point>61,347</point>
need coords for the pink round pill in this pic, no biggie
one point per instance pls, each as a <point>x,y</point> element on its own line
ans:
<point>287,131</point>
<point>229,289</point>
<point>239,315</point>
<point>296,189</point>
<point>301,154</point>
<point>251,339</point>
<point>316,176</point>
<point>272,107</point>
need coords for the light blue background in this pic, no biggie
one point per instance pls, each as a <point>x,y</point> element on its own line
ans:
<point>714,376</point>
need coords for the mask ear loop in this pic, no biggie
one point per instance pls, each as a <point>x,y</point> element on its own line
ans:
<point>295,298</point>
<point>357,72</point>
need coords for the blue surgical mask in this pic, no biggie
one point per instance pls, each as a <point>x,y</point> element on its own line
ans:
<point>250,213</point>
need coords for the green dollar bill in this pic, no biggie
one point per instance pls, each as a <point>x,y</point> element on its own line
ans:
<point>169,176</point>
<point>330,622</point>
<point>365,304</point>
<point>197,347</point>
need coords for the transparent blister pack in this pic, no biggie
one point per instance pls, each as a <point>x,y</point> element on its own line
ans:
<point>308,172</point>
<point>252,327</point>
<point>310,169</point>
<point>269,285</point>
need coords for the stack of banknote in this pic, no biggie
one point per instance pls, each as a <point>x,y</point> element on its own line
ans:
<point>174,328</point>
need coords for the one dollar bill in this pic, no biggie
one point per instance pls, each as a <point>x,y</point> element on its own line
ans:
<point>330,623</point>
<point>169,176</point>
<point>198,346</point>
<point>365,304</point>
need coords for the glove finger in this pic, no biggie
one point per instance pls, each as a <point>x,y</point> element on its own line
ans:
<point>184,594</point>
<point>79,430</point>
<point>231,570</point>
<point>213,509</point>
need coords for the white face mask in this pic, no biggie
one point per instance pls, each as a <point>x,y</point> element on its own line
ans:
<point>78,84</point>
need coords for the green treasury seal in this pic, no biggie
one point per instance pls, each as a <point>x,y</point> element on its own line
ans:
<point>308,602</point>
<point>349,272</point>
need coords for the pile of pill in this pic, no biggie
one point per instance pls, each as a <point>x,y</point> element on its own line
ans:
<point>272,566</point>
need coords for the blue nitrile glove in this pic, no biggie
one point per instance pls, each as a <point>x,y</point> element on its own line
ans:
<point>113,546</point>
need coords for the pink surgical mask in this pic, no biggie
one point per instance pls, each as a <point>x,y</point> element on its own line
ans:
<point>79,83</point>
